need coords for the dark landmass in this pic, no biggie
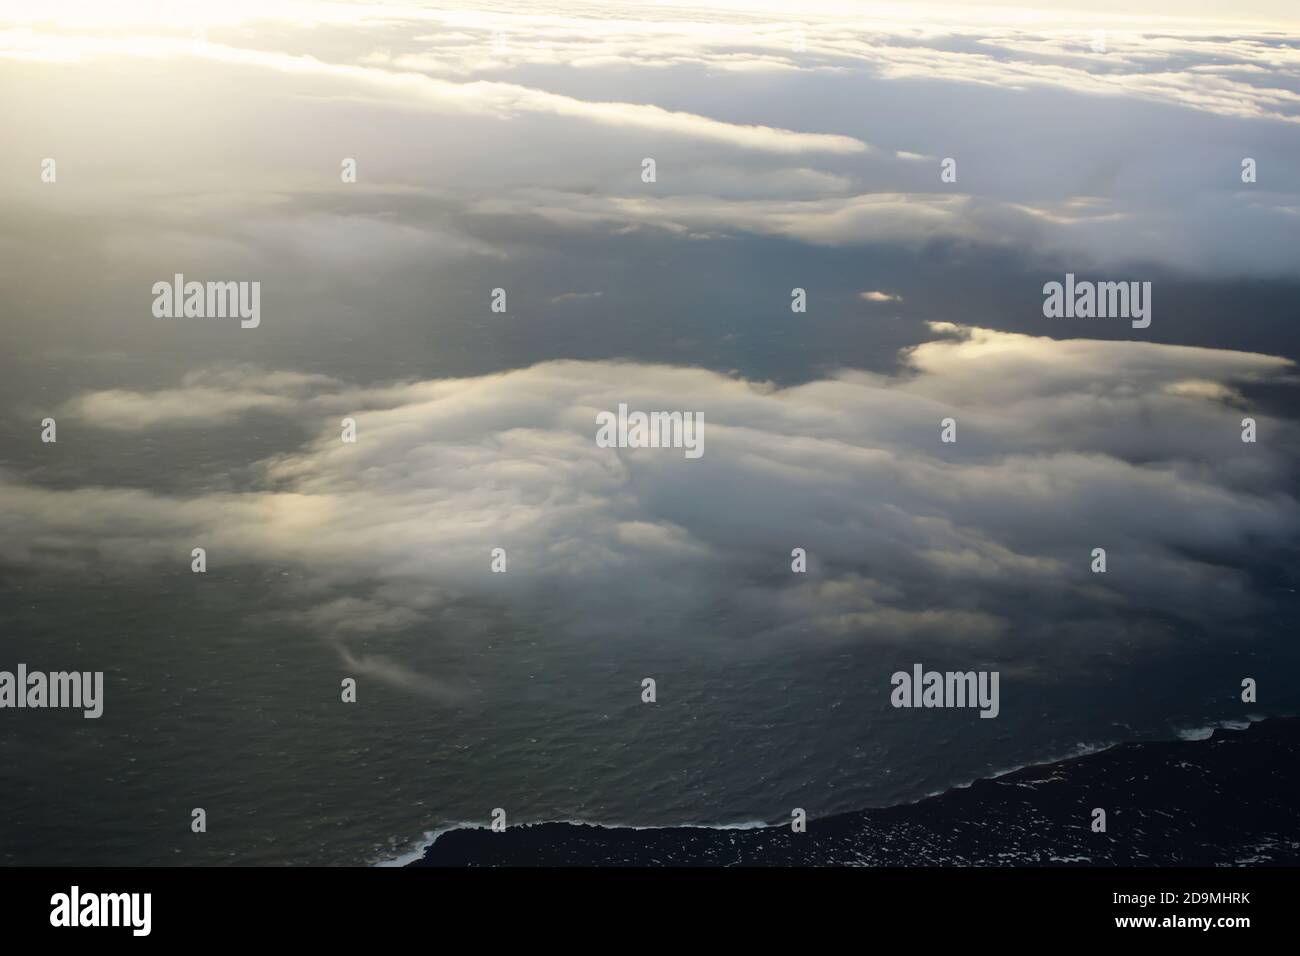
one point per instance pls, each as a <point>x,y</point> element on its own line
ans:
<point>1230,800</point>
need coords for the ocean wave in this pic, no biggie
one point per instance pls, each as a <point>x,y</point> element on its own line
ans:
<point>1206,731</point>
<point>431,837</point>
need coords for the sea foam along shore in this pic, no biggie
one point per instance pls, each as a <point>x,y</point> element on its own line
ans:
<point>419,849</point>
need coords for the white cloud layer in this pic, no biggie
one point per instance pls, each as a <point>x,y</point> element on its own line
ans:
<point>825,128</point>
<point>1063,446</point>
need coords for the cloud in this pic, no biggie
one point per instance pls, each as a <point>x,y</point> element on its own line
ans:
<point>393,88</point>
<point>206,397</point>
<point>1076,233</point>
<point>876,217</point>
<point>876,295</point>
<point>1063,446</point>
<point>554,130</point>
<point>1205,63</point>
<point>1182,60</point>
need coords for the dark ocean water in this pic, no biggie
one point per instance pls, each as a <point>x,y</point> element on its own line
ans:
<point>216,702</point>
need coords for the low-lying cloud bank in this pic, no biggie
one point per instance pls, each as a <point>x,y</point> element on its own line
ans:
<point>1062,447</point>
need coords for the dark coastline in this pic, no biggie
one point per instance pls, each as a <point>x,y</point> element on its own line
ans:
<point>1229,800</point>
